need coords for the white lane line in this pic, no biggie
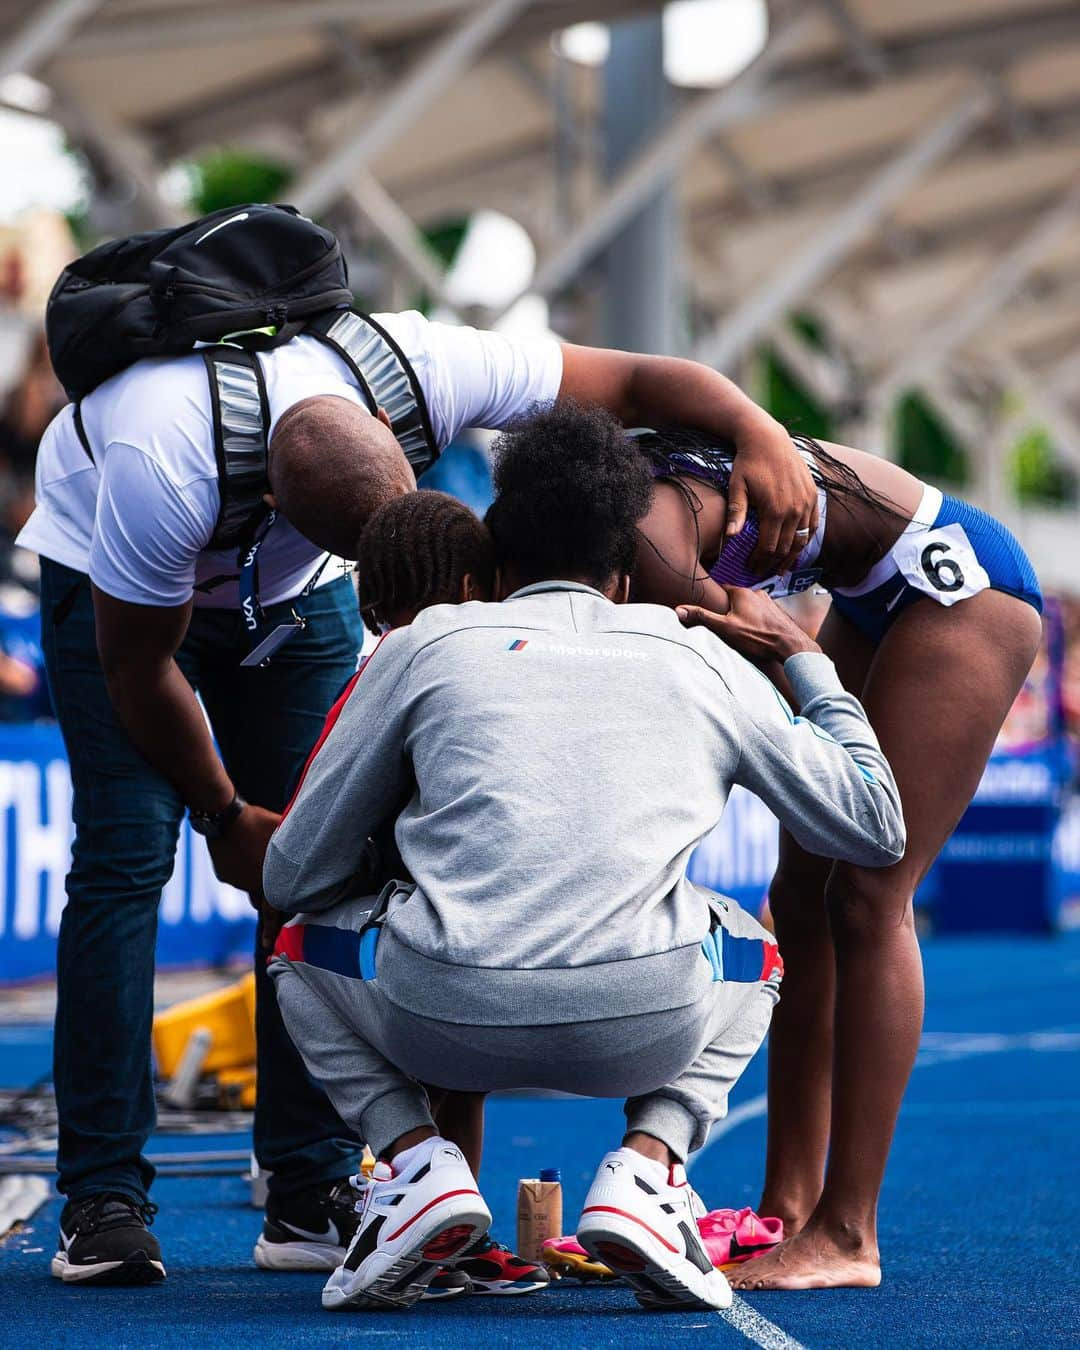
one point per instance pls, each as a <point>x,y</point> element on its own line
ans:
<point>750,1323</point>
<point>945,1047</point>
<point>747,1321</point>
<point>936,1048</point>
<point>1047,1106</point>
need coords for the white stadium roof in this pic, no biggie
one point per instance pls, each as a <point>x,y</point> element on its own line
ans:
<point>910,169</point>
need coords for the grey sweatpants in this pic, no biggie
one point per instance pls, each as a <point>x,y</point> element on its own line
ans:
<point>675,1068</point>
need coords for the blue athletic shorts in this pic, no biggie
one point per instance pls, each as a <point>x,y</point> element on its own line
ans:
<point>963,552</point>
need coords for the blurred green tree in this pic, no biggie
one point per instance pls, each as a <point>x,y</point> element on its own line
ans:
<point>228,177</point>
<point>445,240</point>
<point>781,391</point>
<point>787,398</point>
<point>1036,472</point>
<point>923,443</point>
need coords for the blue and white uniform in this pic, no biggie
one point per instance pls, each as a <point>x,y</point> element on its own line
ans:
<point>948,551</point>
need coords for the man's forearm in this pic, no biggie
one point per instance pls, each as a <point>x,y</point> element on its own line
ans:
<point>162,716</point>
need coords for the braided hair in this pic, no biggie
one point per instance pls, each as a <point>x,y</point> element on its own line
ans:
<point>416,550</point>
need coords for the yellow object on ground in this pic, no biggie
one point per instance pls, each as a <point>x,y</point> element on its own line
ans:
<point>236,1088</point>
<point>562,1263</point>
<point>228,1015</point>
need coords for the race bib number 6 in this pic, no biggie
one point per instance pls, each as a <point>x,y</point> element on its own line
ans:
<point>941,563</point>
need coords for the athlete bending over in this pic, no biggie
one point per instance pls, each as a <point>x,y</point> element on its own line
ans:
<point>934,625</point>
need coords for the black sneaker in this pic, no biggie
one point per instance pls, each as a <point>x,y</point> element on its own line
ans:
<point>446,1284</point>
<point>309,1229</point>
<point>105,1239</point>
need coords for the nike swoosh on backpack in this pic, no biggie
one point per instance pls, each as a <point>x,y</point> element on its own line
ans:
<point>243,215</point>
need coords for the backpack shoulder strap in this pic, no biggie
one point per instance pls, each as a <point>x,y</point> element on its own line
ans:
<point>80,430</point>
<point>385,377</point>
<point>241,412</point>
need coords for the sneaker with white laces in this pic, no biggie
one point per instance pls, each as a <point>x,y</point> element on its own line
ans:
<point>643,1227</point>
<point>410,1224</point>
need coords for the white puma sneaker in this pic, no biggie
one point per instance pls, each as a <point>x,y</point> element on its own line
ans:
<point>409,1225</point>
<point>644,1229</point>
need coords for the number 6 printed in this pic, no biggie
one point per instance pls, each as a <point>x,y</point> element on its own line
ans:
<point>941,563</point>
<point>945,574</point>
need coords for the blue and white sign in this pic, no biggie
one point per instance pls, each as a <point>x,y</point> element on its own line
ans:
<point>739,857</point>
<point>201,920</point>
<point>1006,866</point>
<point>998,871</point>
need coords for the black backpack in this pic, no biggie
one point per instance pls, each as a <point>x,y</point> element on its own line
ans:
<point>256,276</point>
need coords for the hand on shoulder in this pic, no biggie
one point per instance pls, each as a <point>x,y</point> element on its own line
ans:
<point>754,625</point>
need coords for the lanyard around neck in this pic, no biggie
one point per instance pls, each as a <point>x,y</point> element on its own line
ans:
<point>251,609</point>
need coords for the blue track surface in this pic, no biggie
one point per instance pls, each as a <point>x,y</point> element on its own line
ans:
<point>978,1217</point>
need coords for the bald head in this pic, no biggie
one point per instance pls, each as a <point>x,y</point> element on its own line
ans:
<point>331,467</point>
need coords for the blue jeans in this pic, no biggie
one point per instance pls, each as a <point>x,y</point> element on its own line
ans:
<point>127,818</point>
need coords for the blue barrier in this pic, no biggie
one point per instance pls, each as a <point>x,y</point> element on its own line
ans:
<point>1011,865</point>
<point>739,857</point>
<point>201,921</point>
<point>991,875</point>
<point>1000,871</point>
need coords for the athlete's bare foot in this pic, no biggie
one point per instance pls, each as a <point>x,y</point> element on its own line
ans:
<point>813,1259</point>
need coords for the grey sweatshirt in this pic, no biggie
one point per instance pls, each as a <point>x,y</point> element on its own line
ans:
<point>564,756</point>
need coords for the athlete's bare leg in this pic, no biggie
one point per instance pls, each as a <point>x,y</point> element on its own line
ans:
<point>937,693</point>
<point>801,1036</point>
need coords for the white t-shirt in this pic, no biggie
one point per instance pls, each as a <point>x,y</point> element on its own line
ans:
<point>138,518</point>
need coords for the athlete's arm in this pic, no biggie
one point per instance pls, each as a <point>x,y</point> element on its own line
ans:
<point>768,472</point>
<point>473,378</point>
<point>822,774</point>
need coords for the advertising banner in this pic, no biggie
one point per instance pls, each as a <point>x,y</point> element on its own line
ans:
<point>1008,865</point>
<point>201,921</point>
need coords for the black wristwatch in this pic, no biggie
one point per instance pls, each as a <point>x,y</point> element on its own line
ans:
<point>213,824</point>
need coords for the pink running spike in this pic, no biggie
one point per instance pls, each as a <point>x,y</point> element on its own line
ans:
<point>732,1236</point>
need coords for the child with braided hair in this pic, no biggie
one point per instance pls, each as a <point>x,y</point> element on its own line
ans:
<point>422,549</point>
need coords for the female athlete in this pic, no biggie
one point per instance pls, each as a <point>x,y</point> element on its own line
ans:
<point>934,624</point>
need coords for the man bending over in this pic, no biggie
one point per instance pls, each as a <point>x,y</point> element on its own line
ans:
<point>560,754</point>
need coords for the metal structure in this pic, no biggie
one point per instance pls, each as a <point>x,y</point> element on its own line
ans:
<point>906,170</point>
